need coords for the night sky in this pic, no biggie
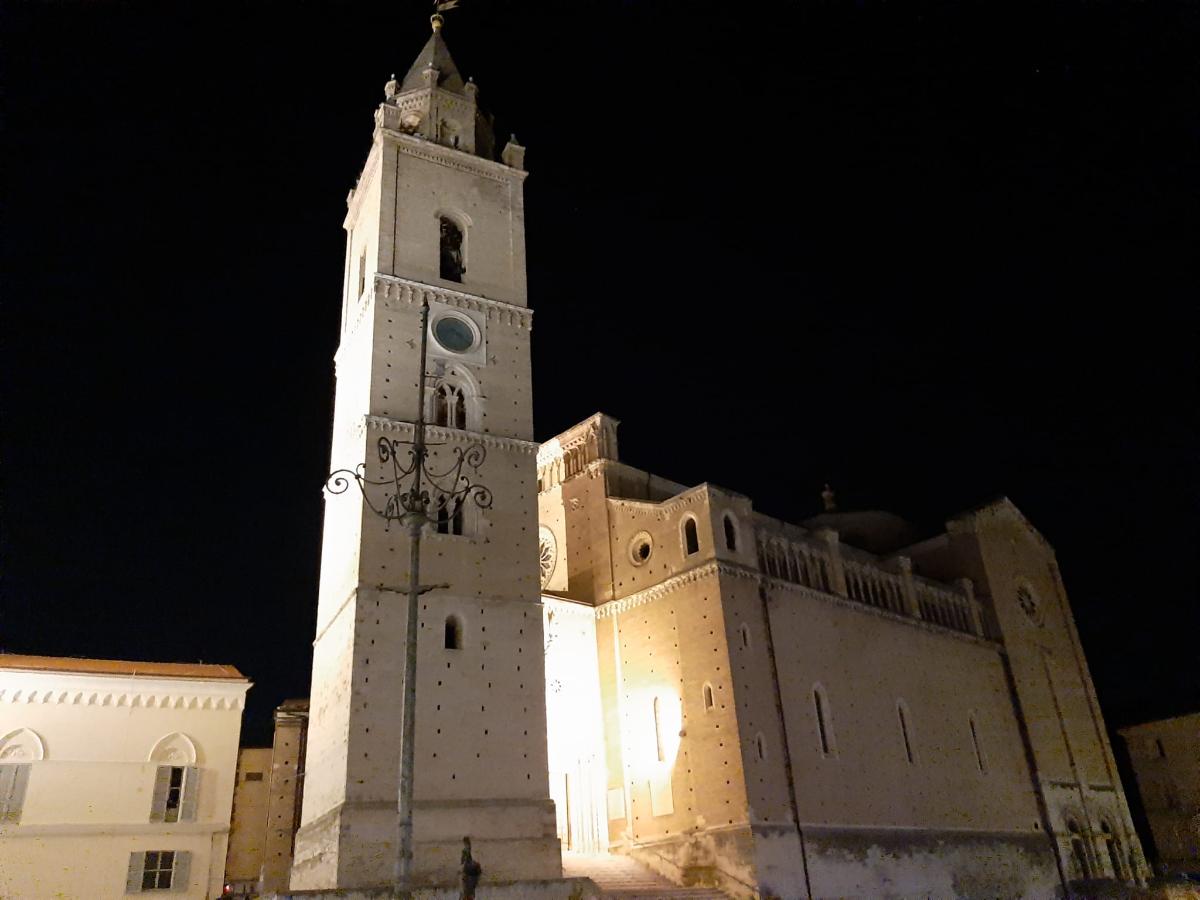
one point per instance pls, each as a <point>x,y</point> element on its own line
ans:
<point>929,252</point>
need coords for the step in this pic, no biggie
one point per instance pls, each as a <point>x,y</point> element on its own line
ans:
<point>625,878</point>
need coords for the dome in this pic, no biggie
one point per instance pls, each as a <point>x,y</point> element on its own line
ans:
<point>874,530</point>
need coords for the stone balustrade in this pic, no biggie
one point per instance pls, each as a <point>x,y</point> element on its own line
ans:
<point>834,569</point>
<point>875,587</point>
<point>944,606</point>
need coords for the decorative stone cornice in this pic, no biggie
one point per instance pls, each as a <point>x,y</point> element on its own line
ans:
<point>434,433</point>
<point>128,698</point>
<point>674,583</point>
<point>459,160</point>
<point>396,292</point>
<point>661,510</point>
<point>568,608</point>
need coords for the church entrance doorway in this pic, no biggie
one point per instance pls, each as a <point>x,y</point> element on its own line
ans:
<point>574,733</point>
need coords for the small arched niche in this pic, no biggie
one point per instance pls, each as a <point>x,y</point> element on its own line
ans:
<point>175,749</point>
<point>22,745</point>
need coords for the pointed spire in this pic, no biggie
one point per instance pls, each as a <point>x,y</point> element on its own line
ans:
<point>435,55</point>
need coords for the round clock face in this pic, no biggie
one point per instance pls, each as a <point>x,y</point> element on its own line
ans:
<point>454,334</point>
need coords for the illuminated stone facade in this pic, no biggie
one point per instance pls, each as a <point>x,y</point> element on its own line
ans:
<point>116,777</point>
<point>821,710</point>
<point>1166,759</point>
<point>433,219</point>
<point>248,827</point>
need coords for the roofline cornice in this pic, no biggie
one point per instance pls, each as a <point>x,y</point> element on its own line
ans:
<point>461,160</point>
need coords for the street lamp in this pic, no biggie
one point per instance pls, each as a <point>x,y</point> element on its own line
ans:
<point>405,499</point>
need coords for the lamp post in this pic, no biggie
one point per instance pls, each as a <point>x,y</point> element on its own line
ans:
<point>408,501</point>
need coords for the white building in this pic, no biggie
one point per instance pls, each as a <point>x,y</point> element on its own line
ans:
<point>115,777</point>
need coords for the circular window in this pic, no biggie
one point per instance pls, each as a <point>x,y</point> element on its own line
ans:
<point>547,553</point>
<point>454,333</point>
<point>640,548</point>
<point>1029,604</point>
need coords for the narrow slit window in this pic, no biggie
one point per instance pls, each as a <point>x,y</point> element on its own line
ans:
<point>908,751</point>
<point>975,744</point>
<point>453,633</point>
<point>822,724</point>
<point>708,697</point>
<point>745,632</point>
<point>760,747</point>
<point>730,534</point>
<point>362,273</point>
<point>691,540</point>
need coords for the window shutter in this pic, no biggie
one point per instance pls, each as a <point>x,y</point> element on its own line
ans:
<point>13,780</point>
<point>158,803</point>
<point>133,880</point>
<point>181,874</point>
<point>191,794</point>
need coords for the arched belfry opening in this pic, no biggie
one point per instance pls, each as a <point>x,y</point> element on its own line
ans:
<point>449,406</point>
<point>452,255</point>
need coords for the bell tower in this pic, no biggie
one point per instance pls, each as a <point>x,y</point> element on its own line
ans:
<point>434,218</point>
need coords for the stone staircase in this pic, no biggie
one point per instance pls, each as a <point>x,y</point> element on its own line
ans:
<point>622,877</point>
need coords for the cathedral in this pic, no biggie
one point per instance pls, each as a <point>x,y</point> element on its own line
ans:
<point>609,662</point>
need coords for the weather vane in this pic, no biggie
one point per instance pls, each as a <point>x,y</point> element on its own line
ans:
<point>439,7</point>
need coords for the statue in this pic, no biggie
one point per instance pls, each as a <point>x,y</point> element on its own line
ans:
<point>471,872</point>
